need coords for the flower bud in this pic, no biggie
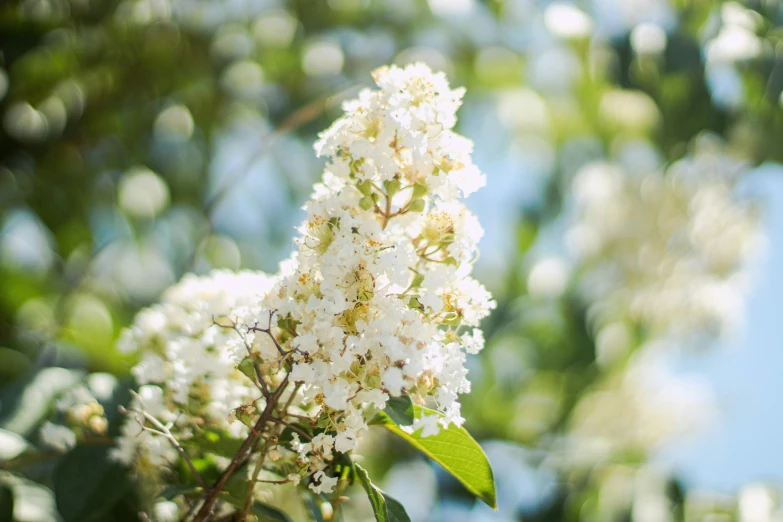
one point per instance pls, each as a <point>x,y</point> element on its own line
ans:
<point>391,186</point>
<point>417,205</point>
<point>247,367</point>
<point>246,414</point>
<point>365,187</point>
<point>366,203</point>
<point>419,190</point>
<point>374,381</point>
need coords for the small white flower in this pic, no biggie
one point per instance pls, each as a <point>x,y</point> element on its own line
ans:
<point>369,306</point>
<point>325,483</point>
<point>428,424</point>
<point>393,381</point>
<point>322,442</point>
<point>345,441</point>
<point>473,342</point>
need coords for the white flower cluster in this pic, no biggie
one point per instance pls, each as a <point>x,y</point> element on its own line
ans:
<point>666,252</point>
<point>642,408</point>
<point>188,378</point>
<point>376,302</point>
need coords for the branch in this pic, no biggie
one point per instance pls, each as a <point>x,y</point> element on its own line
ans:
<point>260,463</point>
<point>268,331</point>
<point>212,493</point>
<point>259,374</point>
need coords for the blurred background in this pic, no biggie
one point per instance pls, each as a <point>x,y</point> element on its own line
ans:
<point>633,219</point>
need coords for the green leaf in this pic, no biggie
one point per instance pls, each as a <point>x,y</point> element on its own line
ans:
<point>237,495</point>
<point>386,509</point>
<point>87,484</point>
<point>214,441</point>
<point>236,491</point>
<point>455,450</point>
<point>6,503</point>
<point>310,500</point>
<point>11,445</point>
<point>400,410</point>
<point>267,513</point>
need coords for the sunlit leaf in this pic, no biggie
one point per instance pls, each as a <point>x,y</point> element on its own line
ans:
<point>455,450</point>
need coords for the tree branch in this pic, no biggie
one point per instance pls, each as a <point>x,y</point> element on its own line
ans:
<point>212,493</point>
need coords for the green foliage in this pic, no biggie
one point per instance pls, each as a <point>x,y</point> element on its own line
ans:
<point>266,513</point>
<point>400,410</point>
<point>214,441</point>
<point>6,503</point>
<point>386,509</point>
<point>87,484</point>
<point>455,450</point>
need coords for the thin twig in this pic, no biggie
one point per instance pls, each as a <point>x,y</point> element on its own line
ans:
<point>252,486</point>
<point>261,384</point>
<point>286,481</point>
<point>164,431</point>
<point>268,331</point>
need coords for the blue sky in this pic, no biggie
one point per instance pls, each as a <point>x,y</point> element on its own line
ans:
<point>744,445</point>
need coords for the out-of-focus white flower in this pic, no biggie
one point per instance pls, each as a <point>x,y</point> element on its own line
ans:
<point>737,39</point>
<point>758,503</point>
<point>548,278</point>
<point>567,21</point>
<point>188,367</point>
<point>142,193</point>
<point>666,250</point>
<point>79,412</point>
<point>166,511</point>
<point>640,409</point>
<point>57,436</point>
<point>648,39</point>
